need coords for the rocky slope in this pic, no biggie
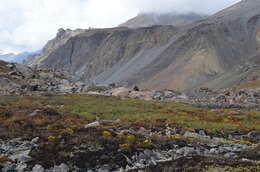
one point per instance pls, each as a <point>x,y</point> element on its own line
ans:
<point>204,53</point>
<point>19,79</point>
<point>151,19</point>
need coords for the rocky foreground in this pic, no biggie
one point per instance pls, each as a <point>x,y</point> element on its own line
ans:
<point>173,150</point>
<point>102,133</point>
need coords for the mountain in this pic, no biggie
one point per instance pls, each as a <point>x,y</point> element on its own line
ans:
<point>151,19</point>
<point>20,57</point>
<point>7,57</point>
<point>216,52</point>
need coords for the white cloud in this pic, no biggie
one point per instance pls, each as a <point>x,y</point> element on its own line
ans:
<point>29,24</point>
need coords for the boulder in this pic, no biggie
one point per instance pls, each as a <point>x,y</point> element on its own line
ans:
<point>144,95</point>
<point>120,92</point>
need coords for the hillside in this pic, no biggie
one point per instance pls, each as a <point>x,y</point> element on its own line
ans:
<point>151,19</point>
<point>162,57</point>
<point>19,79</point>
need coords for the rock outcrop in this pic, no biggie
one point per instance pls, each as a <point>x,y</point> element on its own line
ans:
<point>19,79</point>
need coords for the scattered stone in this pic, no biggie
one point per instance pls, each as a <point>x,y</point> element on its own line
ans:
<point>93,124</point>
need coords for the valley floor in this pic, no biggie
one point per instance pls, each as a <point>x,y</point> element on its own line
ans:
<point>102,133</point>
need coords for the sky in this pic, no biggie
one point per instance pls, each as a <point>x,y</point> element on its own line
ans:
<point>26,25</point>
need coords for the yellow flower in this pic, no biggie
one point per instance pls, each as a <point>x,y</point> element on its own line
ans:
<point>147,141</point>
<point>51,138</point>
<point>125,148</point>
<point>69,131</point>
<point>106,133</point>
<point>120,136</point>
<point>130,137</point>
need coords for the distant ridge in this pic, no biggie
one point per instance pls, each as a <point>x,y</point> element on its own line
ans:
<point>150,19</point>
<point>20,57</point>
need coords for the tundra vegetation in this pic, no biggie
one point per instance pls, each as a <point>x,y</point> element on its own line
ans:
<point>59,120</point>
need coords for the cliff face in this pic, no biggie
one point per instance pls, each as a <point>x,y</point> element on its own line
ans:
<point>161,57</point>
<point>96,51</point>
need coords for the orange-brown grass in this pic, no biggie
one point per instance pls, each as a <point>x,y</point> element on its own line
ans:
<point>131,112</point>
<point>251,84</point>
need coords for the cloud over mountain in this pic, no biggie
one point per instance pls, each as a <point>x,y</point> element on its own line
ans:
<point>28,24</point>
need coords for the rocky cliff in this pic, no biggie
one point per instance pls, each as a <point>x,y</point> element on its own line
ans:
<point>163,57</point>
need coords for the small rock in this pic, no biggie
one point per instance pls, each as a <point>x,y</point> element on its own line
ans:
<point>141,130</point>
<point>22,156</point>
<point>152,162</point>
<point>93,124</point>
<point>35,140</point>
<point>38,168</point>
<point>102,170</point>
<point>61,168</point>
<point>35,113</point>
<point>218,139</point>
<point>20,167</point>
<point>254,134</point>
<point>230,155</point>
<point>196,135</point>
<point>213,151</point>
<point>202,132</point>
<point>189,151</point>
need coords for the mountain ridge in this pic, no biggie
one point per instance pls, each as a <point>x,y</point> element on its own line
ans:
<point>150,19</point>
<point>160,57</point>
